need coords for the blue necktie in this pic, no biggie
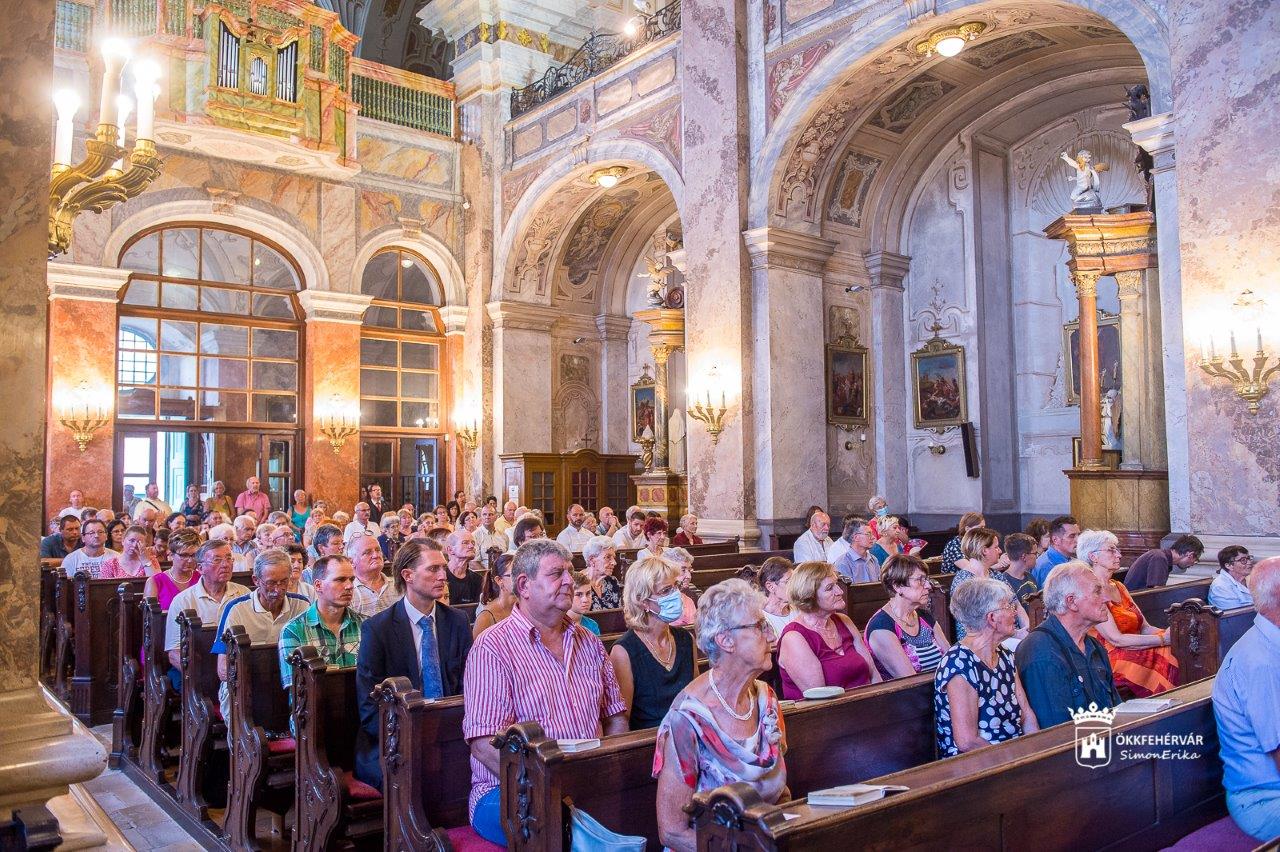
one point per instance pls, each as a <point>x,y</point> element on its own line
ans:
<point>432,682</point>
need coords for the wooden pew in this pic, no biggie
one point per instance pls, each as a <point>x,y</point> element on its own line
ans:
<point>332,808</point>
<point>1023,794</point>
<point>96,636</point>
<point>126,720</point>
<point>610,620</point>
<point>262,752</point>
<point>1200,635</point>
<point>63,630</point>
<point>161,705</point>
<point>204,731</point>
<point>49,570</point>
<point>427,766</point>
<point>868,731</point>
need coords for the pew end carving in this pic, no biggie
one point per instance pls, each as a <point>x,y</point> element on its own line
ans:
<point>406,737</point>
<point>733,817</point>
<point>530,821</point>
<point>126,720</point>
<point>202,723</point>
<point>161,731</point>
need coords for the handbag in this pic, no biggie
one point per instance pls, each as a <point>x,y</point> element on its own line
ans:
<point>588,835</point>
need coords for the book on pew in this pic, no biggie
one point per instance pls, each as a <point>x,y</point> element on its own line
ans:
<point>570,746</point>
<point>1144,705</point>
<point>849,795</point>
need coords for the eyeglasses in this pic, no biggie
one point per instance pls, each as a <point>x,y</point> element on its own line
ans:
<point>763,625</point>
<point>1012,605</point>
<point>918,580</point>
<point>185,554</point>
<point>1246,559</point>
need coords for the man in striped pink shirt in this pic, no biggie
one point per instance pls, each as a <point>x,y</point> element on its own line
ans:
<point>536,665</point>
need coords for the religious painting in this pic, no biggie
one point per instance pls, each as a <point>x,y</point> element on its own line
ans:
<point>846,384</point>
<point>644,407</point>
<point>1108,356</point>
<point>938,385</point>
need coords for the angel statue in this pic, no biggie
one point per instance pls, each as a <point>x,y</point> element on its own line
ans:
<point>1087,197</point>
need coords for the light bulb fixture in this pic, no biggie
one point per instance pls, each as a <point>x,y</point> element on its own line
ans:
<point>83,413</point>
<point>631,28</point>
<point>337,422</point>
<point>708,415</point>
<point>949,41</point>
<point>607,178</point>
<point>1251,382</point>
<point>406,262</point>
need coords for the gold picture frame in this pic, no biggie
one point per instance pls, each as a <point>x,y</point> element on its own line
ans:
<point>846,383</point>
<point>1109,356</point>
<point>939,394</point>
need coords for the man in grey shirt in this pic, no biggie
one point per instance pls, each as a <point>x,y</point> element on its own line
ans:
<point>858,565</point>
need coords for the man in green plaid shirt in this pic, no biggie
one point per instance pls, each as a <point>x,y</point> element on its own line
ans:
<point>328,625</point>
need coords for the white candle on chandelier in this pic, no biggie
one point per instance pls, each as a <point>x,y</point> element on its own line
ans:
<point>67,103</point>
<point>114,53</point>
<point>145,74</point>
<point>124,106</point>
<point>1233,343</point>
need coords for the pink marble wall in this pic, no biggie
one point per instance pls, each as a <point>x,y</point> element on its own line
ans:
<point>26,124</point>
<point>331,371</point>
<point>1227,126</point>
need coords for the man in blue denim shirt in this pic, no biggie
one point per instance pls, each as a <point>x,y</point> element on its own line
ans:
<point>1062,667</point>
<point>1246,694</point>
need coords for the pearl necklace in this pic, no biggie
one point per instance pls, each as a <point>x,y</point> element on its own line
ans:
<point>711,678</point>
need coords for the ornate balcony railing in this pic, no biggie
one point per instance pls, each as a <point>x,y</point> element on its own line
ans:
<point>403,98</point>
<point>597,53</point>
<point>73,27</point>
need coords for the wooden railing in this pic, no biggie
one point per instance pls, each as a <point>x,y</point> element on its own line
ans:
<point>403,98</point>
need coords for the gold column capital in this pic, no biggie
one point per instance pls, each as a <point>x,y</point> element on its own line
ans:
<point>1086,282</point>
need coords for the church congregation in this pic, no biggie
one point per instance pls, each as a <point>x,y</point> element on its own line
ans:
<point>580,425</point>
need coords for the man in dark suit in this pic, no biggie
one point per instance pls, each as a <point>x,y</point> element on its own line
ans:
<point>377,503</point>
<point>418,637</point>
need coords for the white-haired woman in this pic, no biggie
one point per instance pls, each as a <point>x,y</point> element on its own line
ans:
<point>683,560</point>
<point>978,699</point>
<point>725,726</point>
<point>688,532</point>
<point>1140,661</point>
<point>601,557</point>
<point>653,662</point>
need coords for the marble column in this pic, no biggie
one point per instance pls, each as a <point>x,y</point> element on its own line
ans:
<point>331,370</point>
<point>1133,366</point>
<point>888,346</point>
<point>41,751</point>
<point>1156,136</point>
<point>521,379</point>
<point>615,405</point>
<point>661,452</point>
<point>82,353</point>
<point>787,379</point>
<point>716,157</point>
<point>1090,382</point>
<point>464,469</point>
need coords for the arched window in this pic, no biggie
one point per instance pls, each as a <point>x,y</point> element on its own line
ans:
<point>401,364</point>
<point>209,329</point>
<point>400,344</point>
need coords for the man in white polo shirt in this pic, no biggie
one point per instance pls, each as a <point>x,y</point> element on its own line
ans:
<point>631,536</point>
<point>362,523</point>
<point>574,536</point>
<point>262,613</point>
<point>92,551</point>
<point>206,597</point>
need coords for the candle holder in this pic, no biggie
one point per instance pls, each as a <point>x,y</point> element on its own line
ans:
<point>469,435</point>
<point>109,173</point>
<point>82,424</point>
<point>337,423</point>
<point>709,416</point>
<point>1250,381</point>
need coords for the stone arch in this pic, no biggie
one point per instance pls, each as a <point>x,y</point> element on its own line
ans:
<point>446,266</point>
<point>315,274</point>
<point>528,239</point>
<point>861,43</point>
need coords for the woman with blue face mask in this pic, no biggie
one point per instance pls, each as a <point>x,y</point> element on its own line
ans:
<point>653,662</point>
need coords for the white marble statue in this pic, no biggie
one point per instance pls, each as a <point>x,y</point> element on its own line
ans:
<point>675,441</point>
<point>1087,195</point>
<point>1110,432</point>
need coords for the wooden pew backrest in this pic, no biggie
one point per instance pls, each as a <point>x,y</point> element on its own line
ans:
<point>96,634</point>
<point>126,719</point>
<point>1200,636</point>
<point>202,722</point>
<point>159,699</point>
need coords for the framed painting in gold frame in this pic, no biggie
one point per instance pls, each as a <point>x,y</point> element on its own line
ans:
<point>940,399</point>
<point>846,381</point>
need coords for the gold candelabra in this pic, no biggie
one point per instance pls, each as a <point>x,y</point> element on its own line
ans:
<point>709,416</point>
<point>469,435</point>
<point>1250,382</point>
<point>83,423</point>
<point>109,173</point>
<point>337,423</point>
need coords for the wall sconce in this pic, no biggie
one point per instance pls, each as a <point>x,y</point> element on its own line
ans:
<point>709,416</point>
<point>937,449</point>
<point>1250,382</point>
<point>83,413</point>
<point>469,434</point>
<point>338,423</point>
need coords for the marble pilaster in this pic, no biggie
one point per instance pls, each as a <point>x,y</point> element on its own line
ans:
<point>713,80</point>
<point>41,751</point>
<point>1156,135</point>
<point>1090,382</point>
<point>332,381</point>
<point>1133,362</point>
<point>888,337</point>
<point>615,415</point>
<point>521,378</point>
<point>787,380</point>
<point>82,334</point>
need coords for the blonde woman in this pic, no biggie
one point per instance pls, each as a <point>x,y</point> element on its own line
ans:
<point>821,646</point>
<point>653,662</point>
<point>981,558</point>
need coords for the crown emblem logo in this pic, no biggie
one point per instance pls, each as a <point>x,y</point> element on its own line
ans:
<point>1093,735</point>
<point>1093,713</point>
